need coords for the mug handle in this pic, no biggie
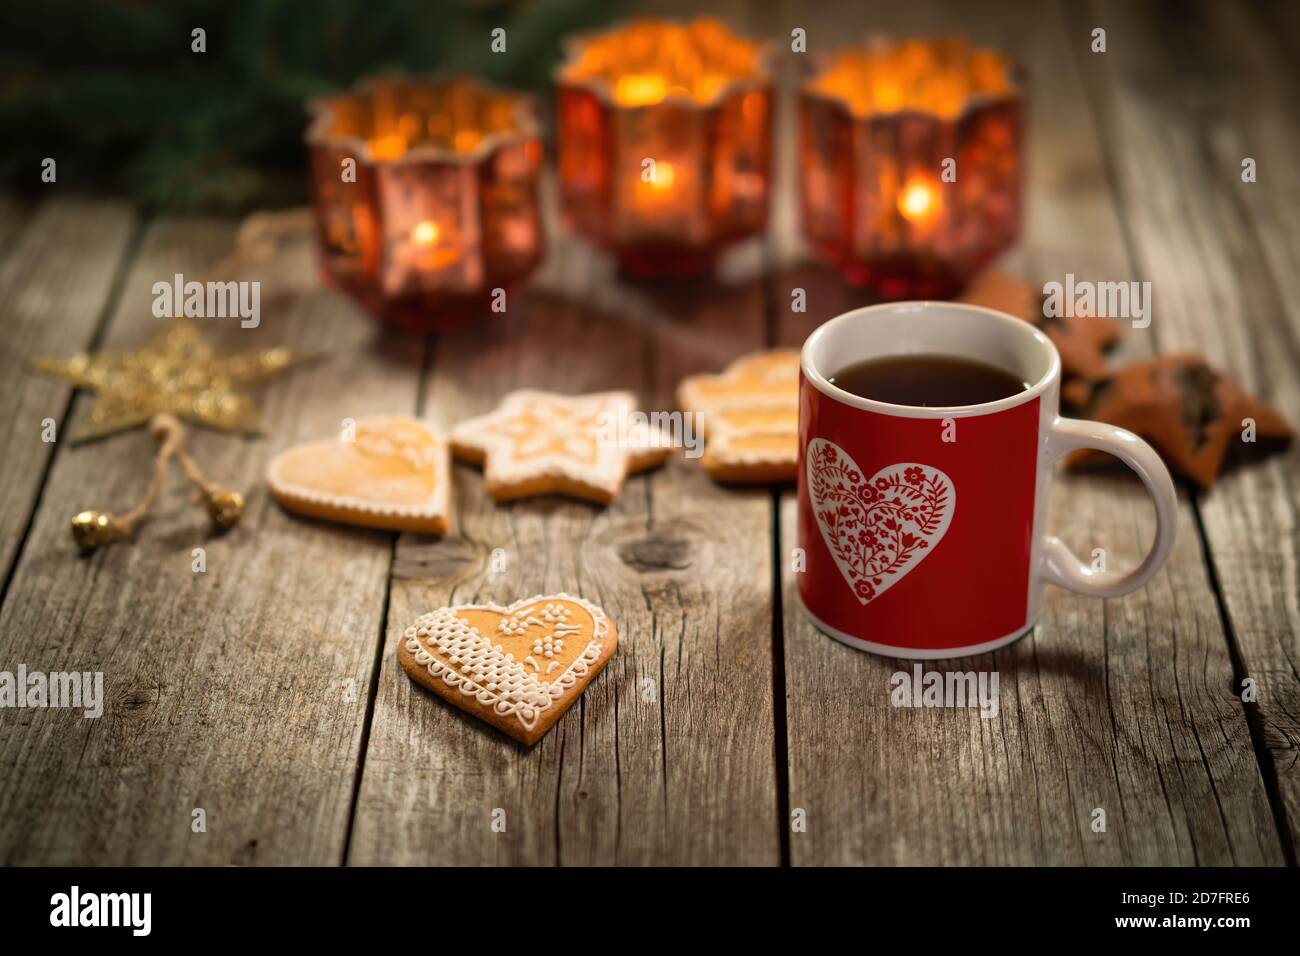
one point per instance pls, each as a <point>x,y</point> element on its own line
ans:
<point>1057,564</point>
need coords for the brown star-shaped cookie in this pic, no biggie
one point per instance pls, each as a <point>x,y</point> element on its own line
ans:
<point>1082,340</point>
<point>1191,415</point>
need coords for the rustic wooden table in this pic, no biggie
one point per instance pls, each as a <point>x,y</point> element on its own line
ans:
<point>266,691</point>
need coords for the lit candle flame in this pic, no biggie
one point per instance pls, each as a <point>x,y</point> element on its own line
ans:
<point>664,177</point>
<point>425,233</point>
<point>918,201</point>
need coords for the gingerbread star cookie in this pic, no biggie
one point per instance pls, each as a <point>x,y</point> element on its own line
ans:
<point>1082,340</point>
<point>1191,415</point>
<point>538,443</point>
<point>518,667</point>
<point>750,417</point>
<point>388,473</point>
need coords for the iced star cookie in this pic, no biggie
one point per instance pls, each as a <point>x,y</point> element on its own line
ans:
<point>750,417</point>
<point>518,667</point>
<point>393,474</point>
<point>538,443</point>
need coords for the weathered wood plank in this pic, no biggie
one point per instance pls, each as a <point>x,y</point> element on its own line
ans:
<point>1116,705</point>
<point>16,214</point>
<point>668,757</point>
<point>58,265</point>
<point>240,691</point>
<point>1183,101</point>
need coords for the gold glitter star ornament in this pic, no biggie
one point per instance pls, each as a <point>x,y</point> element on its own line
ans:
<point>178,372</point>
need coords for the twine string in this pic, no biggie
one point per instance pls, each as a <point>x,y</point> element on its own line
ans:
<point>168,431</point>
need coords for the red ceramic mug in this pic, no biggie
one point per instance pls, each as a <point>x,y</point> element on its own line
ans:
<point>924,529</point>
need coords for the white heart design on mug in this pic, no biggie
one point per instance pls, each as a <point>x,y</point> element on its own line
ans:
<point>877,529</point>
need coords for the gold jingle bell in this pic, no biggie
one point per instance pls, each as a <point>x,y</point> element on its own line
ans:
<point>90,529</point>
<point>225,508</point>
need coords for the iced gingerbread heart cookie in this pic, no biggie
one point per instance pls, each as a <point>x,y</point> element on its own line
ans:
<point>750,416</point>
<point>538,443</point>
<point>518,667</point>
<point>390,473</point>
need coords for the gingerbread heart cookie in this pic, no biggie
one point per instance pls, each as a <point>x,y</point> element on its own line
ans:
<point>538,443</point>
<point>750,417</point>
<point>390,473</point>
<point>518,667</point>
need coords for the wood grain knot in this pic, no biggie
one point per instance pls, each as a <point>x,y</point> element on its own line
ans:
<point>656,552</point>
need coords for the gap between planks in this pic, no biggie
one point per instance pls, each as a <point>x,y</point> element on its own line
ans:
<point>426,368</point>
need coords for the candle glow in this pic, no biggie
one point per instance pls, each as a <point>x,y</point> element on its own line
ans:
<point>442,208</point>
<point>882,124</point>
<point>639,89</point>
<point>694,97</point>
<point>425,233</point>
<point>941,77</point>
<point>918,201</point>
<point>649,61</point>
<point>664,177</point>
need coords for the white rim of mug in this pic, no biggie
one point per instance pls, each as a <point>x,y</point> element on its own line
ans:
<point>1014,325</point>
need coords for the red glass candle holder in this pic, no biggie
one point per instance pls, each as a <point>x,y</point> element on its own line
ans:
<point>425,193</point>
<point>910,153</point>
<point>664,138</point>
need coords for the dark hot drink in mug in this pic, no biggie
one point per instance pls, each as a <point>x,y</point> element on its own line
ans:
<point>928,380</point>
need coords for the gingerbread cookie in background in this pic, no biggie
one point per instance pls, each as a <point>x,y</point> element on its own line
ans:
<point>392,473</point>
<point>750,417</point>
<point>539,443</point>
<point>519,668</point>
<point>1191,414</point>
<point>1081,340</point>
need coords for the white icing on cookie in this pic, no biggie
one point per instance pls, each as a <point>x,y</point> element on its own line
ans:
<point>762,381</point>
<point>534,434</point>
<point>478,668</point>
